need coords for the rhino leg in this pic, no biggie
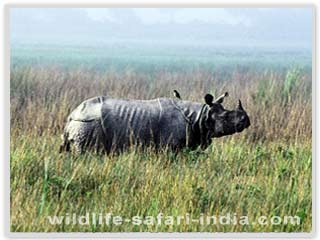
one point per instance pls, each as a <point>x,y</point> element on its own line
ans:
<point>65,146</point>
<point>84,135</point>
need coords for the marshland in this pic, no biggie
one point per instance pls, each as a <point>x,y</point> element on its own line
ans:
<point>262,171</point>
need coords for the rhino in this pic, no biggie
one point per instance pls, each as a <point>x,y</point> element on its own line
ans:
<point>107,124</point>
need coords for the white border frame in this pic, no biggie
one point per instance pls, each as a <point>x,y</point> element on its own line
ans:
<point>5,126</point>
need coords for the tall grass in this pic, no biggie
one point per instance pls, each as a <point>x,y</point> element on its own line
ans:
<point>42,98</point>
<point>265,170</point>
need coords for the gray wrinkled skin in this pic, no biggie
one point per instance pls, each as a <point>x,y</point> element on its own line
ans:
<point>107,124</point>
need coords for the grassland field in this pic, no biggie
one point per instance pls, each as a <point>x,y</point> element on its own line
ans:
<point>265,170</point>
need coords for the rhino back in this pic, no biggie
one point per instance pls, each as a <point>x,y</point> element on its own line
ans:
<point>145,121</point>
<point>88,110</point>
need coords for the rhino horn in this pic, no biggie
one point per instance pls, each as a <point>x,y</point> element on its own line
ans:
<point>240,105</point>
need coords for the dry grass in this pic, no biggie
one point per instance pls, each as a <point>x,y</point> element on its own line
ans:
<point>266,170</point>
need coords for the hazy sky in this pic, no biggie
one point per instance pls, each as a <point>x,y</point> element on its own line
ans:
<point>253,26</point>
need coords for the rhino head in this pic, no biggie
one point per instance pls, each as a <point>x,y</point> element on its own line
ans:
<point>221,122</point>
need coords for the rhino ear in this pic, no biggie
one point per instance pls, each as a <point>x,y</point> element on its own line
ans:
<point>221,98</point>
<point>208,99</point>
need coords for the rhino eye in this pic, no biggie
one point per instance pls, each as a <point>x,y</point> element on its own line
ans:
<point>242,118</point>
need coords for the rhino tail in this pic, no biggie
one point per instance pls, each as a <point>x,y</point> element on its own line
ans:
<point>65,146</point>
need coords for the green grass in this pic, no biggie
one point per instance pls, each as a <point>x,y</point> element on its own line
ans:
<point>146,58</point>
<point>229,177</point>
<point>265,170</point>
